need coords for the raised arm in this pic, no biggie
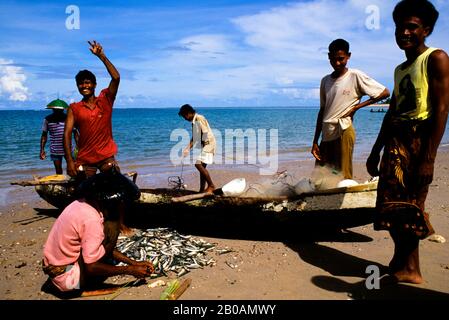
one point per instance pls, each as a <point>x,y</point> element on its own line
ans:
<point>68,128</point>
<point>438,72</point>
<point>97,50</point>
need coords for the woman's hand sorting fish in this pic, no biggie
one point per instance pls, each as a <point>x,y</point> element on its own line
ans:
<point>141,270</point>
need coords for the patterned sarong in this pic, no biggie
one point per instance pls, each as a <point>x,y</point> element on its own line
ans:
<point>400,200</point>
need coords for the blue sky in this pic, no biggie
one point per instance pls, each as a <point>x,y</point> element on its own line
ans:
<point>206,53</point>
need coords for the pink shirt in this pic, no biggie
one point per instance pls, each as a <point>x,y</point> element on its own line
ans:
<point>79,228</point>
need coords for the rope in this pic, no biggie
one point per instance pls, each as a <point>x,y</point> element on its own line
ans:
<point>177,182</point>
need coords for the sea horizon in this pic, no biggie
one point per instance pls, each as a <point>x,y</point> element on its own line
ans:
<point>146,139</point>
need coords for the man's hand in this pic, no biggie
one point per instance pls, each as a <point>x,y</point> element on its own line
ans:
<point>42,155</point>
<point>96,48</point>
<point>350,113</point>
<point>185,152</point>
<point>316,151</point>
<point>71,170</point>
<point>372,164</point>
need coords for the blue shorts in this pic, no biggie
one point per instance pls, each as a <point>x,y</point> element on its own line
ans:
<point>56,157</point>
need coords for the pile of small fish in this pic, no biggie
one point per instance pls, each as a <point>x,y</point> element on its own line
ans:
<point>167,250</point>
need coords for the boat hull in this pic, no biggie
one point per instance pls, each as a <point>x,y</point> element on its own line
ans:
<point>337,208</point>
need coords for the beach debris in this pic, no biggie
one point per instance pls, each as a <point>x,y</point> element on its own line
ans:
<point>171,287</point>
<point>181,289</point>
<point>223,251</point>
<point>157,283</point>
<point>175,289</point>
<point>437,238</point>
<point>167,250</point>
<point>231,265</point>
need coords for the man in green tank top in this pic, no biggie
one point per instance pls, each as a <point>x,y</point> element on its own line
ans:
<point>410,135</point>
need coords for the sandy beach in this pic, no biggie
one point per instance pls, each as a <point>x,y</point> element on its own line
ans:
<point>315,266</point>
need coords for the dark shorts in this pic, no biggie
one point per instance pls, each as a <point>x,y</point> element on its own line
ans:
<point>56,157</point>
<point>90,169</point>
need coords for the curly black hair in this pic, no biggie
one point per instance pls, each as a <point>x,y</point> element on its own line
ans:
<point>422,9</point>
<point>185,110</point>
<point>339,44</point>
<point>85,75</point>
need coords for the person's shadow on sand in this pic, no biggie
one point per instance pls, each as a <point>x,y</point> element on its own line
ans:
<point>359,290</point>
<point>341,264</point>
<point>334,261</point>
<point>42,214</point>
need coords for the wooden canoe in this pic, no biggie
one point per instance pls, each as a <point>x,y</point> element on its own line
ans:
<point>347,207</point>
<point>362,196</point>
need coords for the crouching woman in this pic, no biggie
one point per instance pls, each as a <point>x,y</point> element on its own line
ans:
<point>80,248</point>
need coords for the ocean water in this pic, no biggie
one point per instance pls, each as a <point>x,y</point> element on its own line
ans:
<point>143,136</point>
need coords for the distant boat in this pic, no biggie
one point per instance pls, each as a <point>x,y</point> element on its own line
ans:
<point>379,107</point>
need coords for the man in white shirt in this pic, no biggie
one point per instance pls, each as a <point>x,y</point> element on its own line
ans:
<point>340,95</point>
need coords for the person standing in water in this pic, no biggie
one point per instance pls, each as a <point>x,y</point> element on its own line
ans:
<point>54,125</point>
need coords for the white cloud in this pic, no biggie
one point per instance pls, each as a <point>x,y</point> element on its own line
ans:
<point>296,36</point>
<point>12,81</point>
<point>298,93</point>
<point>302,26</point>
<point>206,43</point>
<point>237,54</point>
<point>273,54</point>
